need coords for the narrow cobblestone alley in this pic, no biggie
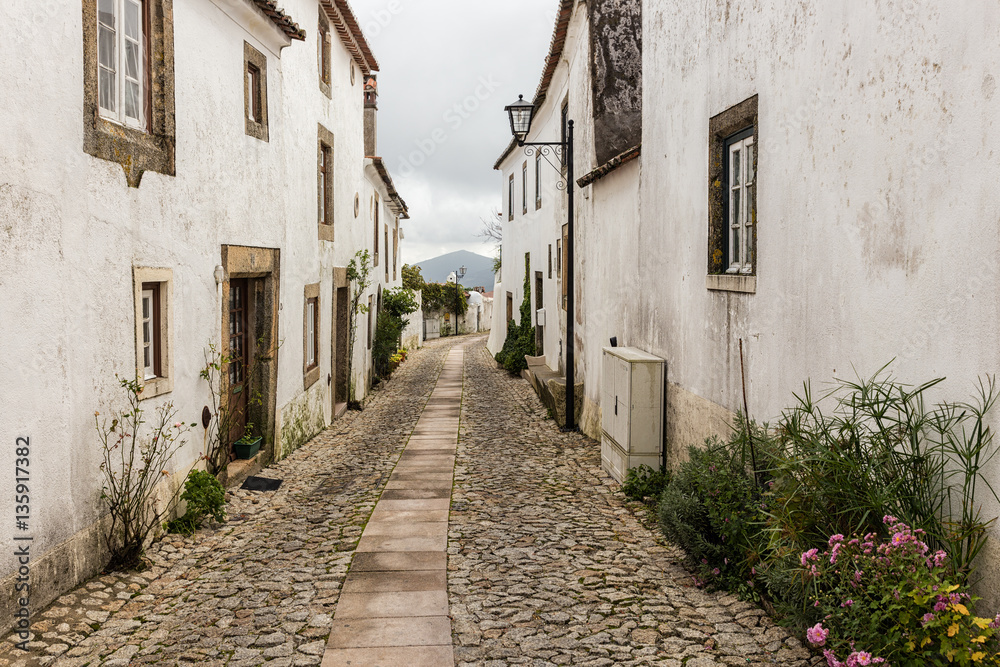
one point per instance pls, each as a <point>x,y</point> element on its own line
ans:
<point>546,564</point>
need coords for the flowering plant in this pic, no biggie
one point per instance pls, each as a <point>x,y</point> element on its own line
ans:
<point>893,601</point>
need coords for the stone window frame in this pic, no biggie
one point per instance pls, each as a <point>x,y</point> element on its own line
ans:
<point>722,127</point>
<point>538,181</point>
<point>395,249</point>
<point>136,150</point>
<point>256,128</point>
<point>325,187</point>
<point>376,204</point>
<point>524,188</point>
<point>385,241</point>
<point>324,54</point>
<point>163,278</point>
<point>510,197</point>
<point>310,373</point>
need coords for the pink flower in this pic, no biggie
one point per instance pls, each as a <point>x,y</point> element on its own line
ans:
<point>812,554</point>
<point>847,603</point>
<point>817,635</point>
<point>860,658</point>
<point>835,538</point>
<point>928,617</point>
<point>831,659</point>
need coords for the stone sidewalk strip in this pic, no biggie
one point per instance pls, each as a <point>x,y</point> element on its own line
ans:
<point>393,606</point>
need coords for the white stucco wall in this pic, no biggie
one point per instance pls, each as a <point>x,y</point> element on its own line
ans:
<point>71,232</point>
<point>876,205</point>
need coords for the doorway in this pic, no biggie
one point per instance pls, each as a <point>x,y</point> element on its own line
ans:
<point>341,344</point>
<point>249,335</point>
<point>539,328</point>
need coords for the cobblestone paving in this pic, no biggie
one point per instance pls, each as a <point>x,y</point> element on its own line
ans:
<point>261,587</point>
<point>547,565</point>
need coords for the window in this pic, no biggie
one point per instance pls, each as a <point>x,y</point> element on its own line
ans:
<point>510,197</point>
<point>310,335</point>
<point>740,214</point>
<point>253,85</point>
<point>151,345</point>
<point>128,85</point>
<point>538,182</point>
<point>395,249</point>
<point>524,188</point>
<point>152,294</point>
<point>324,39</point>
<point>559,259</point>
<point>122,59</point>
<point>510,307</point>
<point>255,92</point>
<point>550,261</point>
<point>732,199</point>
<point>375,214</point>
<point>324,184</point>
<point>387,250</point>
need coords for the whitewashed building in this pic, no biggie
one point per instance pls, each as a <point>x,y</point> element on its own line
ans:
<point>192,173</point>
<point>860,229</point>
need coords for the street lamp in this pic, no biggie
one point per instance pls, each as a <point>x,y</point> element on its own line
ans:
<point>458,297</point>
<point>521,113</point>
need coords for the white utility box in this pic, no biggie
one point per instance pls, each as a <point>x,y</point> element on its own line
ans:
<point>540,317</point>
<point>631,410</point>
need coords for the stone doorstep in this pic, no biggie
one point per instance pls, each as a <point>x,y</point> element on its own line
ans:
<point>399,561</point>
<point>389,581</point>
<point>410,656</point>
<point>377,632</point>
<point>392,604</point>
<point>237,471</point>
<point>416,445</point>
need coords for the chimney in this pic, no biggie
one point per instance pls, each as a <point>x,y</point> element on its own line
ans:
<point>371,116</point>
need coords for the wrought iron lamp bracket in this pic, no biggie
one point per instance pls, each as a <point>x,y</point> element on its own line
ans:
<point>548,151</point>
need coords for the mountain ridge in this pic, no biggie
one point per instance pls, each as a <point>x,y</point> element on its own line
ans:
<point>479,269</point>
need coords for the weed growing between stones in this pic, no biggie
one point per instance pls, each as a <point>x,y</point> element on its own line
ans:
<point>205,497</point>
<point>644,484</point>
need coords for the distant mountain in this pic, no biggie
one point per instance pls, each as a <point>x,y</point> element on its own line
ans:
<point>478,269</point>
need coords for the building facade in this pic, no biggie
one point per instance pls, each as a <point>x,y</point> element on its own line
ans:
<point>200,181</point>
<point>867,242</point>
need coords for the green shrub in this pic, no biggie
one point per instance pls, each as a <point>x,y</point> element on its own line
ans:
<point>205,497</point>
<point>385,342</point>
<point>520,341</point>
<point>711,509</point>
<point>644,484</point>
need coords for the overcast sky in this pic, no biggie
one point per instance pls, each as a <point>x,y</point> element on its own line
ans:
<point>448,69</point>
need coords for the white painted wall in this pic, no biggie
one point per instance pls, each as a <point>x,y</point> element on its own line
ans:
<point>71,231</point>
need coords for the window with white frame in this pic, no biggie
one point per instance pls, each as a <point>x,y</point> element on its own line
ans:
<point>153,293</point>
<point>524,188</point>
<point>151,346</point>
<point>510,197</point>
<point>739,204</point>
<point>121,47</point>
<point>538,181</point>
<point>310,335</point>
<point>311,306</point>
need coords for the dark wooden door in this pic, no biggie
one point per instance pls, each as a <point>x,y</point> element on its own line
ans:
<point>239,343</point>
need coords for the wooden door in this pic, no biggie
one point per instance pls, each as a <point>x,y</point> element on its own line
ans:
<point>239,344</point>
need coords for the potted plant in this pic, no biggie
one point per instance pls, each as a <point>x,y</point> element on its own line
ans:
<point>247,446</point>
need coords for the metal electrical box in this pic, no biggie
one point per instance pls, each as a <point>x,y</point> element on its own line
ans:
<point>631,410</point>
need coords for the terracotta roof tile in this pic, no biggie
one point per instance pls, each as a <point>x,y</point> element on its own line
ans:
<point>349,30</point>
<point>282,20</point>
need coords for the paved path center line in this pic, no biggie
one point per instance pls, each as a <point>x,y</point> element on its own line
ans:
<point>393,608</point>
